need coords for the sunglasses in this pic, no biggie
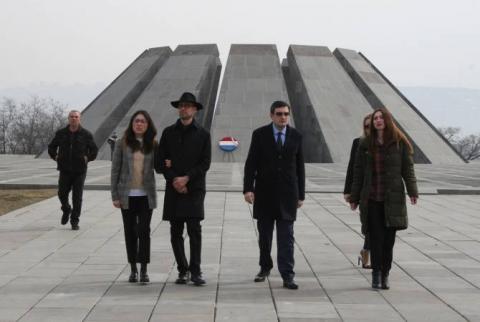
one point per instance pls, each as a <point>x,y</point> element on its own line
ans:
<point>282,113</point>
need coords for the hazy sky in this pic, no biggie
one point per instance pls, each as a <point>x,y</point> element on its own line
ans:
<point>414,43</point>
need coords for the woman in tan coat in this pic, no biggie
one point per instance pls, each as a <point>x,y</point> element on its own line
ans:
<point>133,189</point>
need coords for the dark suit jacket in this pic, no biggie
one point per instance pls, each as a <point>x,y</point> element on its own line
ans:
<point>189,148</point>
<point>276,177</point>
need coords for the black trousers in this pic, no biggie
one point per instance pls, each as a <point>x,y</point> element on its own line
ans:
<point>285,246</point>
<point>136,225</point>
<point>70,181</point>
<point>194,230</point>
<point>382,238</point>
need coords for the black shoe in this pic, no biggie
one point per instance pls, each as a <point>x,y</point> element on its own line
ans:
<point>75,227</point>
<point>144,278</point>
<point>66,216</point>
<point>262,275</point>
<point>376,277</point>
<point>197,280</point>
<point>291,285</point>
<point>182,278</point>
<point>385,282</point>
<point>133,278</point>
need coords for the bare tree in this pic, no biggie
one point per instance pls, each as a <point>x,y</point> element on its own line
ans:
<point>28,127</point>
<point>450,133</point>
<point>7,115</point>
<point>56,118</point>
<point>468,146</point>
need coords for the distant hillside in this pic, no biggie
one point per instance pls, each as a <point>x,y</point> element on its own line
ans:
<point>459,107</point>
<point>442,106</point>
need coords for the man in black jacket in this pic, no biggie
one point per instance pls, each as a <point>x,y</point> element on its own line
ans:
<point>183,156</point>
<point>275,183</point>
<point>72,147</point>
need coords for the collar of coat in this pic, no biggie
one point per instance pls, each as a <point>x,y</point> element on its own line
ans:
<point>67,128</point>
<point>287,128</point>
<point>193,125</point>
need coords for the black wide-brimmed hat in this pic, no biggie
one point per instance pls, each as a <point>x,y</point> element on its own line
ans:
<point>187,98</point>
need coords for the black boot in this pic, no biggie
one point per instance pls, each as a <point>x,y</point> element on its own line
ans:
<point>66,211</point>
<point>385,282</point>
<point>182,278</point>
<point>262,275</point>
<point>133,274</point>
<point>197,279</point>
<point>143,273</point>
<point>376,277</point>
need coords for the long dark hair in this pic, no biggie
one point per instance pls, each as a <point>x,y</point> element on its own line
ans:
<point>130,140</point>
<point>391,133</point>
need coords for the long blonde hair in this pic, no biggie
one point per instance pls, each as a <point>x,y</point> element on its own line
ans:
<point>364,133</point>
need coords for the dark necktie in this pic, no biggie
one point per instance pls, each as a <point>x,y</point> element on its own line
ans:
<point>279,141</point>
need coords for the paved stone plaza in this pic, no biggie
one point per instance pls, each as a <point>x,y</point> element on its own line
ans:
<point>51,273</point>
<point>26,171</point>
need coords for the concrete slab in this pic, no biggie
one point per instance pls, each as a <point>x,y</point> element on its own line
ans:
<point>190,68</point>
<point>110,106</point>
<point>82,276</point>
<point>330,94</point>
<point>430,145</point>
<point>252,81</point>
<point>327,106</point>
<point>26,171</point>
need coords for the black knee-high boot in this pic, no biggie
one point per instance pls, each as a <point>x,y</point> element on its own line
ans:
<point>376,277</point>
<point>385,282</point>
<point>133,273</point>
<point>143,273</point>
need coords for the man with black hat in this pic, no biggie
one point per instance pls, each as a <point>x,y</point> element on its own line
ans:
<point>183,156</point>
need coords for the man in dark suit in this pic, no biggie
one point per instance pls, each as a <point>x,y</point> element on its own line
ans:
<point>183,156</point>
<point>274,183</point>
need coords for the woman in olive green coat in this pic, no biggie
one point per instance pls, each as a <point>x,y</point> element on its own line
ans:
<point>383,167</point>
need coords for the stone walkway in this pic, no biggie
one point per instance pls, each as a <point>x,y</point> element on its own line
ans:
<point>51,273</point>
<point>28,172</point>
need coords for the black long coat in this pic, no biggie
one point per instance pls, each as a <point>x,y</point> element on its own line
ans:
<point>189,149</point>
<point>277,178</point>
<point>349,178</point>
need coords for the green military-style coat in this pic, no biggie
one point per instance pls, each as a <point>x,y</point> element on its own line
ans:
<point>399,172</point>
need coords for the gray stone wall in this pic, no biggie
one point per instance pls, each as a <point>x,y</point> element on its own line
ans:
<point>252,81</point>
<point>327,106</point>
<point>191,68</point>
<point>430,146</point>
